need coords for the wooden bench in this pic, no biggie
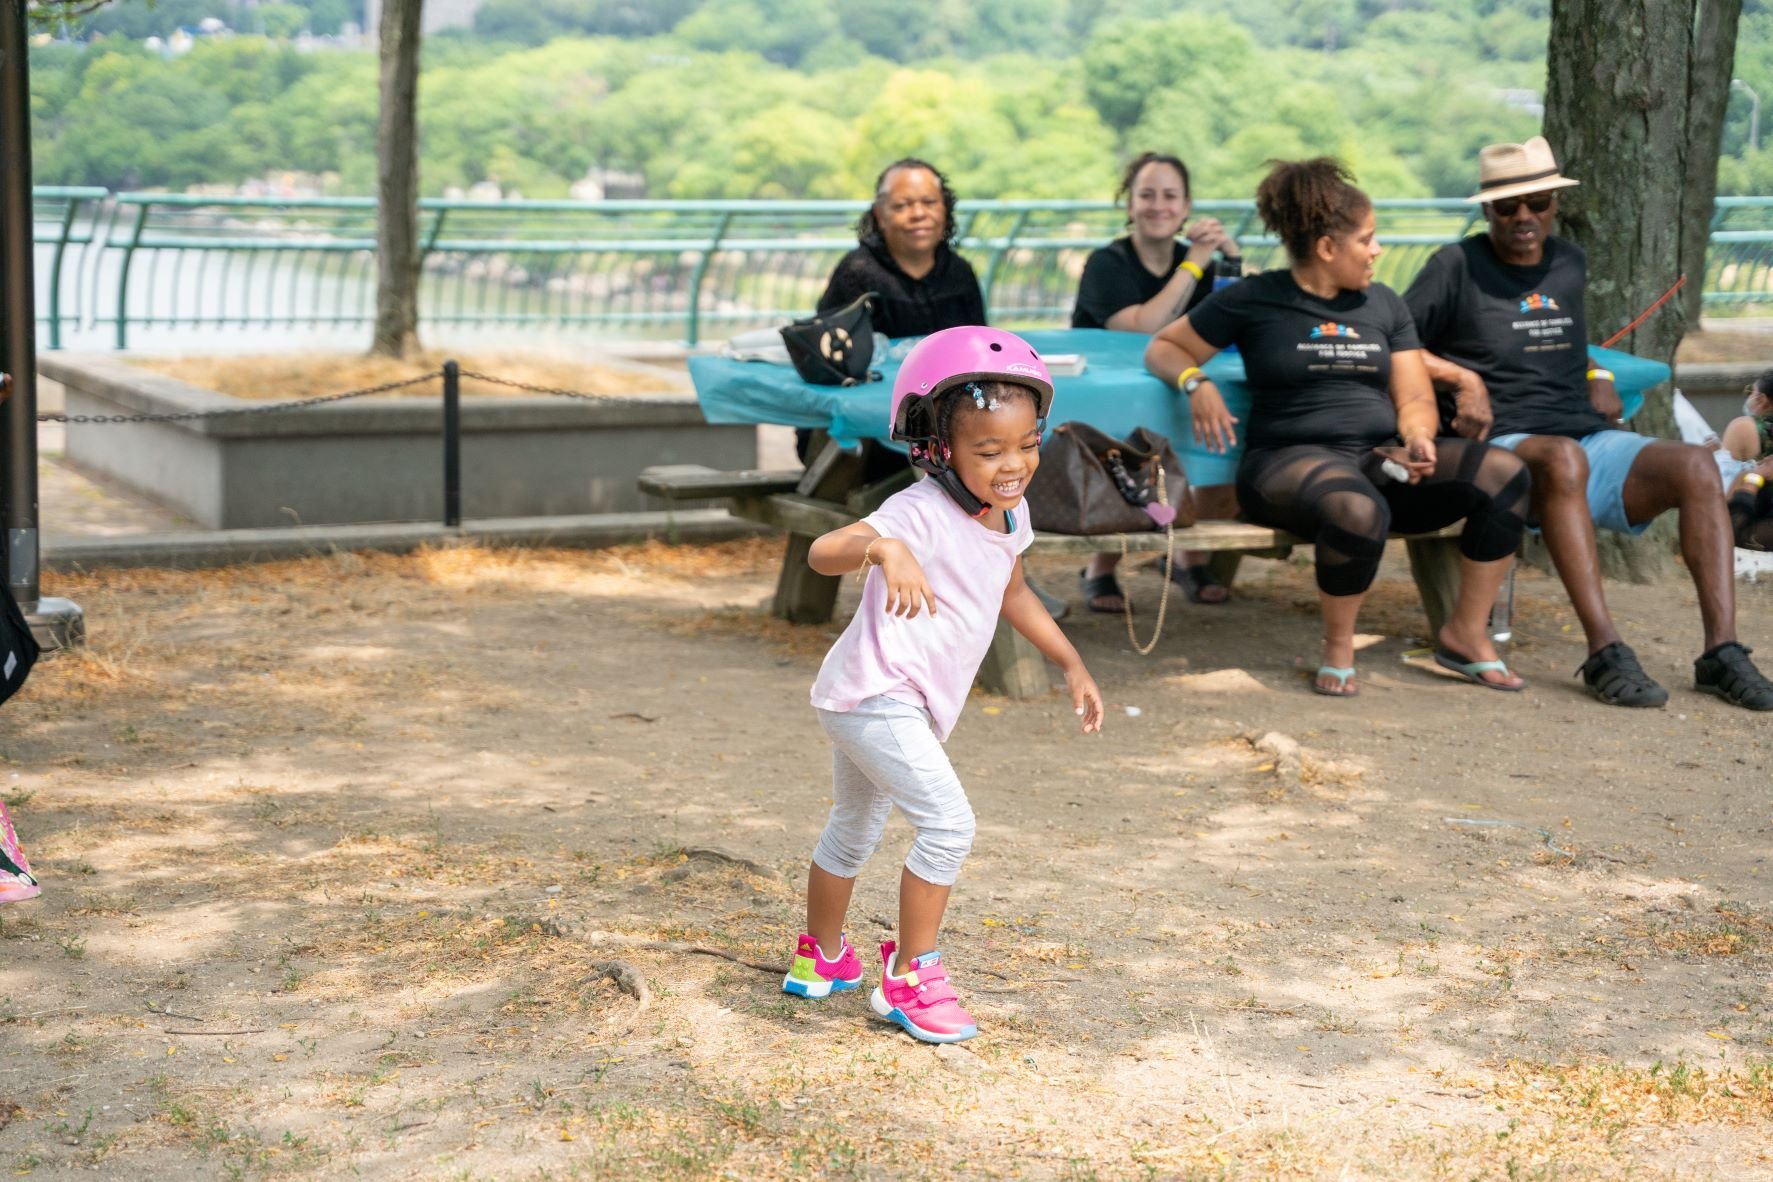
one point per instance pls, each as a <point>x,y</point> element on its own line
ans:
<point>828,496</point>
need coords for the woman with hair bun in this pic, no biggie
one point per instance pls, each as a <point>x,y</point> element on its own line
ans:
<point>1340,447</point>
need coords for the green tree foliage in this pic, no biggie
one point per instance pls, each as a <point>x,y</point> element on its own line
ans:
<point>809,98</point>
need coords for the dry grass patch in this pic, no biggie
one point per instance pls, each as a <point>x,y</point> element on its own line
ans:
<point>288,376</point>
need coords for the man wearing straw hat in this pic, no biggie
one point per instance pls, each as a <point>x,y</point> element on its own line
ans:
<point>1500,315</point>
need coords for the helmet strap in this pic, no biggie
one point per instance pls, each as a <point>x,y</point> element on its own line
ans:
<point>931,456</point>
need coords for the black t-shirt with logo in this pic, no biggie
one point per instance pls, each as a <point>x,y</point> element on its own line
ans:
<point>1318,370</point>
<point>1114,278</point>
<point>1520,328</point>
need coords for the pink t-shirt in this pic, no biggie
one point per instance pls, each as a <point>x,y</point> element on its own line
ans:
<point>926,661</point>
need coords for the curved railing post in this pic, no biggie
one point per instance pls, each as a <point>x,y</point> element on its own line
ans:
<point>55,274</point>
<point>997,256</point>
<point>135,237</point>
<point>693,329</point>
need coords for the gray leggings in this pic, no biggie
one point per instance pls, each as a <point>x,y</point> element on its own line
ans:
<point>883,753</point>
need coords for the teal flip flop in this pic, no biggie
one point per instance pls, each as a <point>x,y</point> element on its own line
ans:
<point>1342,677</point>
<point>1472,671</point>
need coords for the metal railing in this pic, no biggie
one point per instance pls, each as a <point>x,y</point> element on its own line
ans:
<point>61,217</point>
<point>679,269</point>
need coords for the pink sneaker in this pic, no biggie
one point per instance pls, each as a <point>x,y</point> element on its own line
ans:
<point>16,883</point>
<point>922,1001</point>
<point>811,975</point>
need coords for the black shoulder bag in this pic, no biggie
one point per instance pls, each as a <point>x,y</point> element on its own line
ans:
<point>835,347</point>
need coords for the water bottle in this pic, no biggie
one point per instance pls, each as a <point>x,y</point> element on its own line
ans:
<point>1221,282</point>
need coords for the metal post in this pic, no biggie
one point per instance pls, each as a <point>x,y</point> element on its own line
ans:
<point>57,623</point>
<point>452,444</point>
<point>693,330</point>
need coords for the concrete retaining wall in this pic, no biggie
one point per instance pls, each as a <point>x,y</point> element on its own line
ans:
<point>378,459</point>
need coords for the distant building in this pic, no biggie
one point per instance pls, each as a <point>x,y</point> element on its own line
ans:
<point>439,14</point>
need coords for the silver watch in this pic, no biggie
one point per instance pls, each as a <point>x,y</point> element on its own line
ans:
<point>1190,385</point>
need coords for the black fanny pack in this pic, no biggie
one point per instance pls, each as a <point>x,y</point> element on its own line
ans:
<point>834,349</point>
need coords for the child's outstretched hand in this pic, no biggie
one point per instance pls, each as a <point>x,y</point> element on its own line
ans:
<point>907,591</point>
<point>1085,698</point>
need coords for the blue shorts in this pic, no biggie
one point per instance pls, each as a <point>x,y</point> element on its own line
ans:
<point>1610,457</point>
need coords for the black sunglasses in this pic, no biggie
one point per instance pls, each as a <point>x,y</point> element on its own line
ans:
<point>1508,206</point>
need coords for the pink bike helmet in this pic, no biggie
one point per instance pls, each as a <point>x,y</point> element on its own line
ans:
<point>953,357</point>
<point>950,358</point>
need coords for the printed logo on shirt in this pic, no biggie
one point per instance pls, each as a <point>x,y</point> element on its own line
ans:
<point>1338,349</point>
<point>1545,333</point>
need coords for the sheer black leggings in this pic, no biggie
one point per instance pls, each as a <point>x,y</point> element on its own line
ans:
<point>1338,499</point>
<point>1751,518</point>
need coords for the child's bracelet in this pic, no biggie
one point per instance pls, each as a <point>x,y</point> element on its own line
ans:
<point>1193,268</point>
<point>1753,480</point>
<point>862,571</point>
<point>1602,374</point>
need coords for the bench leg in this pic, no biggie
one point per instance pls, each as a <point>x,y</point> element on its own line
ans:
<point>1013,667</point>
<point>803,595</point>
<point>1434,563</point>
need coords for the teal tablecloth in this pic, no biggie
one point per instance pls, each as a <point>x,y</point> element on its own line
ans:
<point>1114,394</point>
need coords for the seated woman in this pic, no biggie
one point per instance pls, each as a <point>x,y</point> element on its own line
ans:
<point>1750,436</point>
<point>1139,284</point>
<point>903,256</point>
<point>1341,448</point>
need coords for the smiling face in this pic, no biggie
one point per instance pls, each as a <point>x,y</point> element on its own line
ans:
<point>1518,230</point>
<point>909,211</point>
<point>1348,258</point>
<point>1157,202</point>
<point>995,452</point>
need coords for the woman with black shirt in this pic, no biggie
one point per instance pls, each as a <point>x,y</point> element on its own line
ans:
<point>906,259</point>
<point>1341,445</point>
<point>920,284</point>
<point>1139,284</point>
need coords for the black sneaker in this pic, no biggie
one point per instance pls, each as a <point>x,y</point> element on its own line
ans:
<point>1727,672</point>
<point>1614,676</point>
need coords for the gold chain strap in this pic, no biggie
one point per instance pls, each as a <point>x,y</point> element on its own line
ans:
<point>1163,599</point>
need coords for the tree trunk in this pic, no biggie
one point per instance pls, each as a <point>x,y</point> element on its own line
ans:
<point>397,184</point>
<point>1634,108</point>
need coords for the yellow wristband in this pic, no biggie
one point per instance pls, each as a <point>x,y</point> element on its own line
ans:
<point>1603,374</point>
<point>1193,371</point>
<point>1754,480</point>
<point>1193,268</point>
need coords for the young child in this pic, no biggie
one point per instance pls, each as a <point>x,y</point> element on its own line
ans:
<point>942,560</point>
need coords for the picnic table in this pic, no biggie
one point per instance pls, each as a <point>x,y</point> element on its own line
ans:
<point>1114,393</point>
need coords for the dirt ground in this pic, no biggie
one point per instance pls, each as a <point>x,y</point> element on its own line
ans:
<point>347,862</point>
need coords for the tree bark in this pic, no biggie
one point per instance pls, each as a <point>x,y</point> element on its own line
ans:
<point>1634,108</point>
<point>397,183</point>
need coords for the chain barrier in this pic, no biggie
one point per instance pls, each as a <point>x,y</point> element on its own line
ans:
<point>235,412</point>
<point>532,387</point>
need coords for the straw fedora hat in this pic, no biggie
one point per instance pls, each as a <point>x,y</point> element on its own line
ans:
<point>1514,170</point>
